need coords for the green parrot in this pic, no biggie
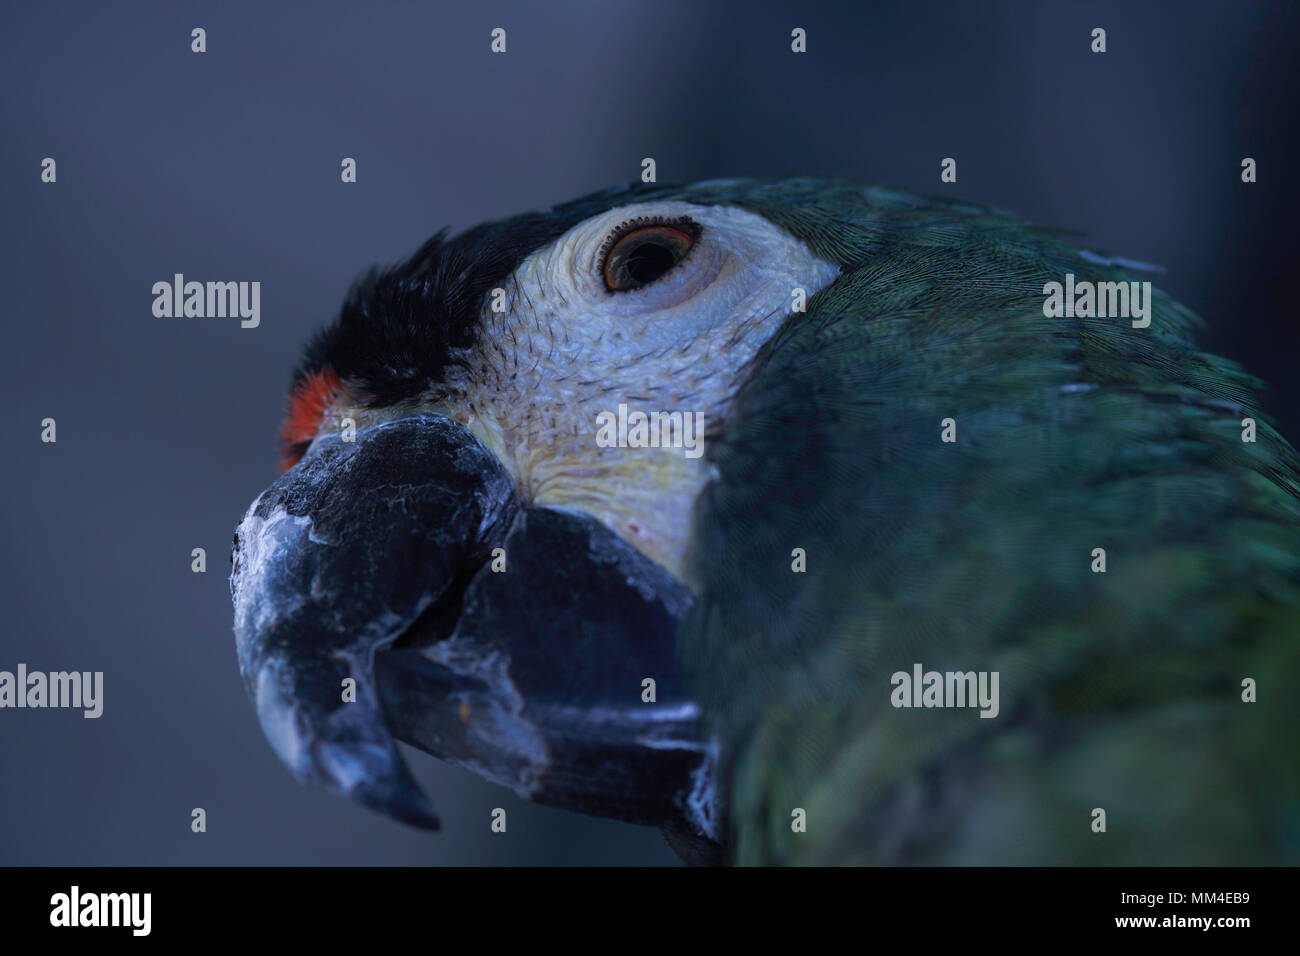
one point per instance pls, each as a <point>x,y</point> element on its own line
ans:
<point>812,522</point>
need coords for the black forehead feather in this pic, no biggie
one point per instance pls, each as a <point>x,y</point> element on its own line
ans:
<point>395,334</point>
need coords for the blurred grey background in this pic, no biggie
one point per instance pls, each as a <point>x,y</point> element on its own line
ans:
<point>225,166</point>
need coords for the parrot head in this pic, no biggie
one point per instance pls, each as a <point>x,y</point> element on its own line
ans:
<point>499,538</point>
<point>455,558</point>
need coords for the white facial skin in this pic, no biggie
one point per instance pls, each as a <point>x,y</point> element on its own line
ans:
<point>566,349</point>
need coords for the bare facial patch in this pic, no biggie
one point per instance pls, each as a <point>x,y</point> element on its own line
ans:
<point>696,291</point>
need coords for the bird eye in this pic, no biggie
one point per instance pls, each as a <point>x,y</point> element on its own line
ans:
<point>637,254</point>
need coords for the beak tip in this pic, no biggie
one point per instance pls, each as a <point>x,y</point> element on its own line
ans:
<point>400,798</point>
<point>375,775</point>
<point>310,613</point>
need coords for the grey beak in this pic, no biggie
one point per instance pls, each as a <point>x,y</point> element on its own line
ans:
<point>541,683</point>
<point>372,563</point>
<point>336,560</point>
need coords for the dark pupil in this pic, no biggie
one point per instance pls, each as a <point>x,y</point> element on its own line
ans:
<point>649,261</point>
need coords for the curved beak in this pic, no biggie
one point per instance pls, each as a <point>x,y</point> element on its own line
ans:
<point>531,646</point>
<point>332,563</point>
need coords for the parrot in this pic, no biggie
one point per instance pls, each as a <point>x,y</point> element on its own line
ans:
<point>684,505</point>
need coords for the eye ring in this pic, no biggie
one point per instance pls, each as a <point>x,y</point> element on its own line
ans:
<point>641,251</point>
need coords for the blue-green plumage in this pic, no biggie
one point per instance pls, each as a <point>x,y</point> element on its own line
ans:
<point>1120,690</point>
<point>1096,530</point>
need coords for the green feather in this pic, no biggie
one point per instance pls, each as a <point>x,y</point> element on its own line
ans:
<point>1119,690</point>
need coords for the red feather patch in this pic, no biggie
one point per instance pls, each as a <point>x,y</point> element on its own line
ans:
<point>307,407</point>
